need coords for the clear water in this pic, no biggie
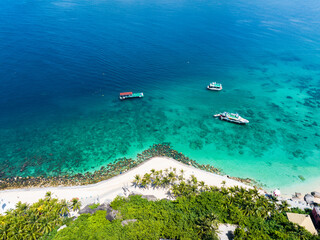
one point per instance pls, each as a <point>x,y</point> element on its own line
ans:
<point>63,64</point>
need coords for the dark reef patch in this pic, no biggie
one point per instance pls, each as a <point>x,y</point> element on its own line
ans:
<point>312,67</point>
<point>112,169</point>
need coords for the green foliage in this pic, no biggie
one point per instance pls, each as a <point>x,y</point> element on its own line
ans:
<point>33,221</point>
<point>298,210</point>
<point>75,204</point>
<point>94,206</point>
<point>86,227</point>
<point>194,214</point>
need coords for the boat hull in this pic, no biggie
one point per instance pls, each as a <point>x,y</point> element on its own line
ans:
<point>134,95</point>
<point>232,121</point>
<point>240,121</point>
<point>214,89</point>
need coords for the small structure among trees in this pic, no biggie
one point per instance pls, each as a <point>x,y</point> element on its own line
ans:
<point>302,220</point>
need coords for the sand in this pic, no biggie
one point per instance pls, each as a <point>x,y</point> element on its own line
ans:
<point>120,185</point>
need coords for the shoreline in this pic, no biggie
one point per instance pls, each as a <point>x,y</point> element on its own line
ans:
<point>111,170</point>
<point>124,167</point>
<point>107,190</point>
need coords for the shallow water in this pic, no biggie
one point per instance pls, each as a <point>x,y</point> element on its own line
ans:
<point>63,64</point>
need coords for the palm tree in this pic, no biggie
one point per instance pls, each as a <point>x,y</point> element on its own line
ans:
<point>172,177</point>
<point>156,182</point>
<point>147,177</point>
<point>255,192</point>
<point>202,186</point>
<point>284,206</point>
<point>207,226</point>
<point>180,177</point>
<point>137,180</point>
<point>194,180</point>
<point>165,181</point>
<point>143,183</point>
<point>194,189</point>
<point>224,191</point>
<point>64,207</point>
<point>21,207</point>
<point>75,204</point>
<point>48,195</point>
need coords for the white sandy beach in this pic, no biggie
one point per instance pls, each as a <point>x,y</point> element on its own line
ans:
<point>121,185</point>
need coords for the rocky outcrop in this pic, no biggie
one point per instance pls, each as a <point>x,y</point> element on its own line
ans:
<point>126,222</point>
<point>298,195</point>
<point>87,209</point>
<point>309,199</point>
<point>315,194</point>
<point>103,207</point>
<point>149,197</point>
<point>111,214</point>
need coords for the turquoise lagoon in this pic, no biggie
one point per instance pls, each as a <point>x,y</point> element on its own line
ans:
<point>63,64</point>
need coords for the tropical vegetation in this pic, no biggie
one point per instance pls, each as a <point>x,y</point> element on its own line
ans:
<point>33,221</point>
<point>194,212</point>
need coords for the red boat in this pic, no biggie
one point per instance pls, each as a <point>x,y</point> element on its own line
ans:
<point>126,95</point>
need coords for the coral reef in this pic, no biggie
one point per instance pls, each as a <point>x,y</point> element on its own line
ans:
<point>112,169</point>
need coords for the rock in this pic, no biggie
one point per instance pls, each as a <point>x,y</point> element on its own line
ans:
<point>226,231</point>
<point>149,197</point>
<point>296,199</point>
<point>111,214</point>
<point>125,222</point>
<point>309,198</point>
<point>103,207</point>
<point>87,209</point>
<point>62,227</point>
<point>315,194</point>
<point>135,193</point>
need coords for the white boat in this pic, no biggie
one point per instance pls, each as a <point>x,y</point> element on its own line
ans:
<point>232,117</point>
<point>214,86</point>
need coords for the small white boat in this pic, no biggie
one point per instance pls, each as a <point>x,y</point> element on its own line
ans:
<point>214,86</point>
<point>232,117</point>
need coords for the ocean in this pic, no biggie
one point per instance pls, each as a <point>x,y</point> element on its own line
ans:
<point>63,64</point>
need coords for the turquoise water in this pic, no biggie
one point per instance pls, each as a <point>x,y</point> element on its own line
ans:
<point>63,64</point>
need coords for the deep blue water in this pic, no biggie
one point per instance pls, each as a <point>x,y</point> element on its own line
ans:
<point>63,64</point>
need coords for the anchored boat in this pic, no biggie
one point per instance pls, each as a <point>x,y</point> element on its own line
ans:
<point>214,86</point>
<point>126,95</point>
<point>232,117</point>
